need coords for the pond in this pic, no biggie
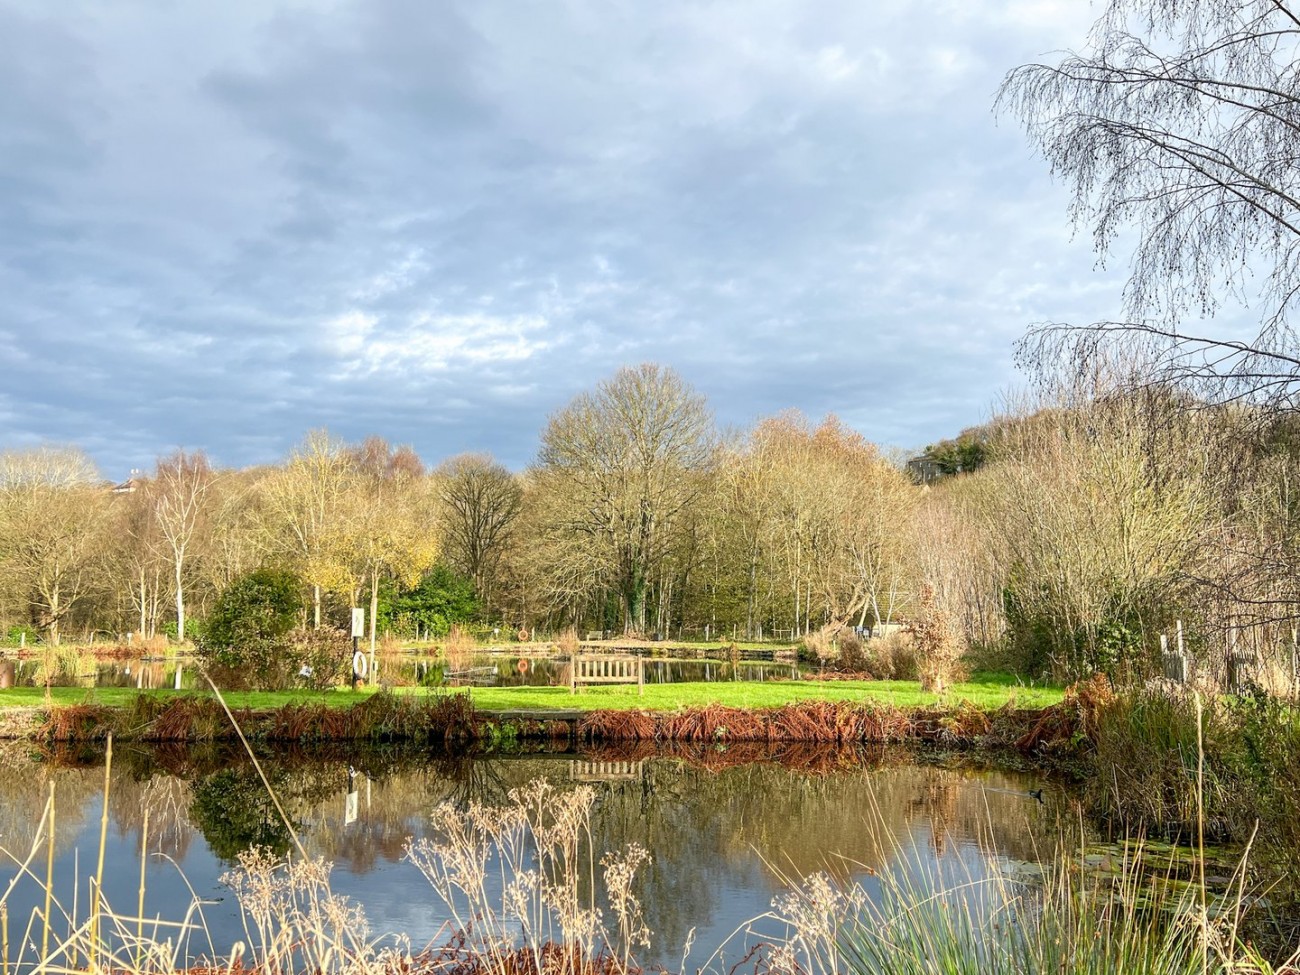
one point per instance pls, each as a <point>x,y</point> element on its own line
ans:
<point>726,827</point>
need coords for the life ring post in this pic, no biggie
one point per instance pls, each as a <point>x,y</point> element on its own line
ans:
<point>358,663</point>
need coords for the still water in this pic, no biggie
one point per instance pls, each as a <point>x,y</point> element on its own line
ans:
<point>725,827</point>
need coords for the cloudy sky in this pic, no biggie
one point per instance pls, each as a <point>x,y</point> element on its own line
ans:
<point>224,224</point>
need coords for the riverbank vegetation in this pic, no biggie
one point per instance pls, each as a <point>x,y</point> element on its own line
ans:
<point>837,718</point>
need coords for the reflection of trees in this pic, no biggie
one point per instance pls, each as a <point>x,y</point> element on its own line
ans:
<point>710,829</point>
<point>711,824</point>
<point>27,789</point>
<point>166,799</point>
<point>233,811</point>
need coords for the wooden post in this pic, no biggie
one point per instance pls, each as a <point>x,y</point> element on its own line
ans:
<point>640,676</point>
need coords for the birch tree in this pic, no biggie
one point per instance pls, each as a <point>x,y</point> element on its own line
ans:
<point>1175,127</point>
<point>180,503</point>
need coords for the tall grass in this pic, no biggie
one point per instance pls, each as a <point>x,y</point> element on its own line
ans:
<point>1069,924</point>
<point>537,851</point>
<point>1231,771</point>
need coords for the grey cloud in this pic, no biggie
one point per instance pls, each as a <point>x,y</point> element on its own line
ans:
<point>229,224</point>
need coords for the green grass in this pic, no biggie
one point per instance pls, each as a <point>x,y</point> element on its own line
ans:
<point>987,691</point>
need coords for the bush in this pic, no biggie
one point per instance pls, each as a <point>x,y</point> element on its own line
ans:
<point>853,657</point>
<point>892,657</point>
<point>253,637</point>
<point>820,644</point>
<point>326,652</point>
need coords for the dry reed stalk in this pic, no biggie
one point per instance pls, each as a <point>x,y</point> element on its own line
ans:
<point>96,903</point>
<point>49,881</point>
<point>139,910</point>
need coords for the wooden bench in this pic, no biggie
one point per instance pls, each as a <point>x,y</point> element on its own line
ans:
<point>606,669</point>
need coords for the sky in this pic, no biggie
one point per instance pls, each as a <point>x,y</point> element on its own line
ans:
<point>225,224</point>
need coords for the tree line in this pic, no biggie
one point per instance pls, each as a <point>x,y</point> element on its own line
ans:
<point>1098,518</point>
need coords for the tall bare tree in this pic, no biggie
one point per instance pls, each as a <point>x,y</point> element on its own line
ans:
<point>629,457</point>
<point>180,495</point>
<point>481,501</point>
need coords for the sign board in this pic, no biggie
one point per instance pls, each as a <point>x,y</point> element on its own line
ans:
<point>358,622</point>
<point>350,809</point>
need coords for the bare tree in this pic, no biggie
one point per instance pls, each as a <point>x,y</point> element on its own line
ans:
<point>1180,120</point>
<point>629,457</point>
<point>392,521</point>
<point>52,515</point>
<point>481,501</point>
<point>307,500</point>
<point>140,558</point>
<point>180,507</point>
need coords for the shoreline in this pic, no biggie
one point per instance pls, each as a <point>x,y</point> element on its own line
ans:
<point>454,719</point>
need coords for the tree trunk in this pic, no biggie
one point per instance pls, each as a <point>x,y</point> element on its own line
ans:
<point>54,616</point>
<point>180,604</point>
<point>374,607</point>
<point>315,607</point>
<point>634,599</point>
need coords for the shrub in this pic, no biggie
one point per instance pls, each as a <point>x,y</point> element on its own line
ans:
<point>326,653</point>
<point>820,644</point>
<point>249,639</point>
<point>852,653</point>
<point>892,657</point>
<point>938,649</point>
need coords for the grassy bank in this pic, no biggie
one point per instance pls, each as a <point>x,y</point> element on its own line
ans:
<point>989,691</point>
<point>454,717</point>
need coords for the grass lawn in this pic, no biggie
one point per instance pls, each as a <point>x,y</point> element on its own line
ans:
<point>986,691</point>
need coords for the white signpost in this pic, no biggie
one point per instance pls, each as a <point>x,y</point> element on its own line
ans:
<point>358,631</point>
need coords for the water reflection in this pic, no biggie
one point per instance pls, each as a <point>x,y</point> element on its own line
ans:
<point>497,669</point>
<point>724,827</point>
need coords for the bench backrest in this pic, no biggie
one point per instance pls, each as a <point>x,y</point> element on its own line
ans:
<point>606,669</point>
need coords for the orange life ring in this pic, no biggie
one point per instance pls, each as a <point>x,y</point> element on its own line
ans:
<point>522,666</point>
